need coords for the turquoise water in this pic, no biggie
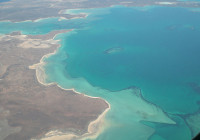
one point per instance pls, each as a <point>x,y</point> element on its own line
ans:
<point>4,1</point>
<point>146,81</point>
<point>42,26</point>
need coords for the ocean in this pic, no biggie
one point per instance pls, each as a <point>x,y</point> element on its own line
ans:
<point>143,60</point>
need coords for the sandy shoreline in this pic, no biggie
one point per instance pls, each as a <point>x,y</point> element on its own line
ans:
<point>85,15</point>
<point>93,127</point>
<point>60,18</point>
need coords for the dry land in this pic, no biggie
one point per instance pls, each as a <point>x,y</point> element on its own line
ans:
<point>29,109</point>
<point>22,10</point>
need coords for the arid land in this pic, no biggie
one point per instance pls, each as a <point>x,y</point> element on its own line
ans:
<point>29,109</point>
<point>22,10</point>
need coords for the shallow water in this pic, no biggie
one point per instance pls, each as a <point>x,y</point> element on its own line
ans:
<point>159,55</point>
<point>146,81</point>
<point>4,1</point>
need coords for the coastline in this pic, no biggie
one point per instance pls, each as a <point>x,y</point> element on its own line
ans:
<point>126,4</point>
<point>94,127</point>
<point>92,130</point>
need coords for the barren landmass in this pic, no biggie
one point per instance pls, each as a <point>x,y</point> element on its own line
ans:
<point>29,109</point>
<point>22,10</point>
